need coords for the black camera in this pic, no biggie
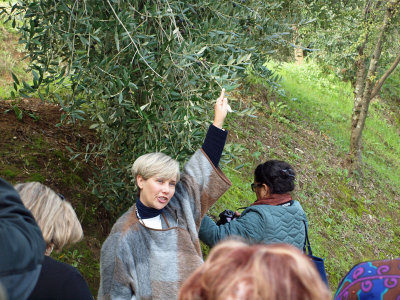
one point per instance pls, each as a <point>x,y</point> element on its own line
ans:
<point>226,216</point>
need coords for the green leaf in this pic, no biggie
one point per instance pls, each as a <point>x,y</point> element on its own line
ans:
<point>231,61</point>
<point>200,52</point>
<point>35,75</point>
<point>18,112</point>
<point>15,78</point>
<point>27,86</point>
<point>41,96</point>
<point>84,40</point>
<point>69,149</point>
<point>74,156</point>
<point>239,166</point>
<point>230,88</point>
<point>93,126</point>
<point>96,39</point>
<point>116,39</point>
<point>23,95</point>
<point>132,86</point>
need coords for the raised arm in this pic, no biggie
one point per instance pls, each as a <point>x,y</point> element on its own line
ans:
<point>220,110</point>
<point>202,181</point>
<point>216,136</point>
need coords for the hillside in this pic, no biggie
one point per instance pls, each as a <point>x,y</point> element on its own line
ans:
<point>305,122</point>
<point>351,219</point>
<point>348,222</point>
<point>34,149</point>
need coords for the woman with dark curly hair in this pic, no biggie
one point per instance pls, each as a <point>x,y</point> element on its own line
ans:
<point>274,218</point>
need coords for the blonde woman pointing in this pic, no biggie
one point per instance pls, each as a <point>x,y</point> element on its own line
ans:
<point>154,246</point>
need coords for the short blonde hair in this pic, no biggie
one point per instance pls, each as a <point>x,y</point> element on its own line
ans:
<point>156,164</point>
<point>235,270</point>
<point>56,217</point>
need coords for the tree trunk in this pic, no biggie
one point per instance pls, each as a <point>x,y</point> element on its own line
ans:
<point>298,51</point>
<point>298,55</point>
<point>365,90</point>
<point>355,138</point>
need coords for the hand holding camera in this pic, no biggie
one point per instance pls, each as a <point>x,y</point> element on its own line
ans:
<point>226,216</point>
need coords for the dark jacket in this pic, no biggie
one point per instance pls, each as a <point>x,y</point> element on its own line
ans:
<point>59,281</point>
<point>261,224</point>
<point>22,246</point>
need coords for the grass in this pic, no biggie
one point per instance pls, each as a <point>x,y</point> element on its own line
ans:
<point>328,103</point>
<point>307,124</point>
<point>11,57</point>
<point>11,54</point>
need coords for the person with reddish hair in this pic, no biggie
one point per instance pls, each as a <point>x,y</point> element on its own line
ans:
<point>235,270</point>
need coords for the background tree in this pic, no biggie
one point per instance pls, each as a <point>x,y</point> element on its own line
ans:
<point>360,42</point>
<point>368,84</point>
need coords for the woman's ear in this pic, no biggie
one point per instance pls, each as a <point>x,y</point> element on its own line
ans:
<point>266,190</point>
<point>139,181</point>
<point>49,249</point>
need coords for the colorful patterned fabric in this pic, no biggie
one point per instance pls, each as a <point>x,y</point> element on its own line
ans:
<point>378,279</point>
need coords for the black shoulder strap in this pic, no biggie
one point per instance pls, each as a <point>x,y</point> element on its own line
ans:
<point>307,241</point>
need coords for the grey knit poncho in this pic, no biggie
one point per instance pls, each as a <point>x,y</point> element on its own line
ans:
<point>142,263</point>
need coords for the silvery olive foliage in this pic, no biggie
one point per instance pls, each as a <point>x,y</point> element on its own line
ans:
<point>145,73</point>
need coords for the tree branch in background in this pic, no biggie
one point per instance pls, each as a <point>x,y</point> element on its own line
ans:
<point>379,83</point>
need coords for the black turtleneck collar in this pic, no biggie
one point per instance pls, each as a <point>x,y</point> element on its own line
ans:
<point>146,212</point>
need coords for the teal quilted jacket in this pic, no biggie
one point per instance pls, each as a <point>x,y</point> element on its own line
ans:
<point>261,224</point>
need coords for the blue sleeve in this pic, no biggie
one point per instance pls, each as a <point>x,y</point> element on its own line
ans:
<point>207,231</point>
<point>22,246</point>
<point>245,226</point>
<point>214,143</point>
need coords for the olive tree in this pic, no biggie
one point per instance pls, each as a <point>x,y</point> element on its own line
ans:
<point>360,41</point>
<point>379,22</point>
<point>143,72</point>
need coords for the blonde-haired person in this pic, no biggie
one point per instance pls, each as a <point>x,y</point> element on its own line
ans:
<point>235,270</point>
<point>154,246</point>
<point>60,227</point>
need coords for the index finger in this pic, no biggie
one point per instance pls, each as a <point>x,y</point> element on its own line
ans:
<point>222,96</point>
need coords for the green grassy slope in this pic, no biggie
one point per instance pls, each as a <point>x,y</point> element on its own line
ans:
<point>307,125</point>
<point>11,54</point>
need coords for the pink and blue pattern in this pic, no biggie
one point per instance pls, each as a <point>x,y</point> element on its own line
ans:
<point>371,280</point>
